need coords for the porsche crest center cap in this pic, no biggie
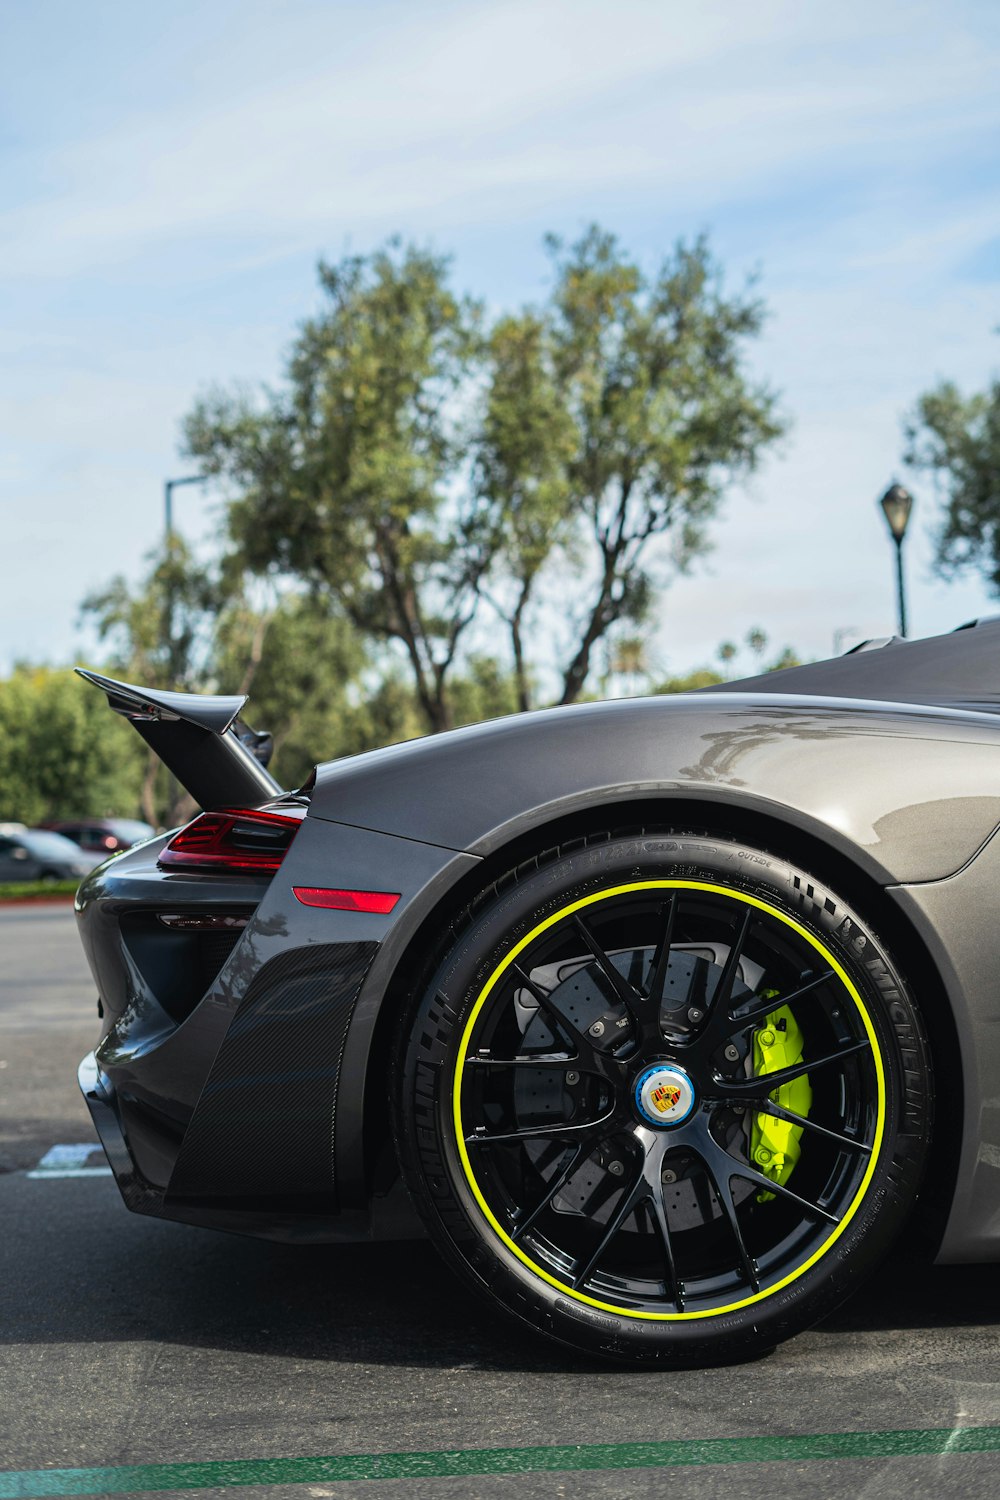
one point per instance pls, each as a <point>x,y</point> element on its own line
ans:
<point>664,1094</point>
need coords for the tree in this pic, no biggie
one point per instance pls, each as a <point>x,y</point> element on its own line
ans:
<point>159,634</point>
<point>312,684</point>
<point>345,479</point>
<point>161,631</point>
<point>727,654</point>
<point>757,641</point>
<point>526,446</point>
<point>690,682</point>
<point>301,660</point>
<point>957,439</point>
<point>412,465</point>
<point>651,371</point>
<point>62,754</point>
<point>727,651</point>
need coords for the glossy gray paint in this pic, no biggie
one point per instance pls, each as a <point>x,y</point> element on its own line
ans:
<point>908,793</point>
<point>957,919</point>
<point>150,1073</point>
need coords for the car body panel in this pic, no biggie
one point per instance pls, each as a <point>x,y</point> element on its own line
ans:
<point>263,1106</point>
<point>867,778</point>
<point>201,1102</point>
<point>956,918</point>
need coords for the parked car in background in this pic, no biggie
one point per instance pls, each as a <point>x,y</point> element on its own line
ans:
<point>40,854</point>
<point>102,836</point>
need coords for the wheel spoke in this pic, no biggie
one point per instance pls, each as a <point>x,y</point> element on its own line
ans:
<point>484,1137</point>
<point>720,1182</point>
<point>621,990</point>
<point>849,1142</point>
<point>724,988</point>
<point>630,1200</point>
<point>524,1060</point>
<point>766,1083</point>
<point>658,1214</point>
<point>717,1025</point>
<point>661,958</point>
<point>555,1187</point>
<point>739,1022</point>
<point>750,1174</point>
<point>584,1047</point>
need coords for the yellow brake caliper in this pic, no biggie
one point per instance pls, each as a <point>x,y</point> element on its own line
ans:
<point>775,1144</point>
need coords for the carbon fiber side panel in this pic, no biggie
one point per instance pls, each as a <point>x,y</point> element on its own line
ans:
<point>262,1126</point>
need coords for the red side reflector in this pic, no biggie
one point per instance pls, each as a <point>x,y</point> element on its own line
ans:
<point>379,902</point>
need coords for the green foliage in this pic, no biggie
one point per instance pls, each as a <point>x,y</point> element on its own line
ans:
<point>342,479</point>
<point>651,369</point>
<point>30,890</point>
<point>957,439</point>
<point>757,640</point>
<point>701,677</point>
<point>161,631</point>
<point>311,683</point>
<point>160,634</point>
<point>62,754</point>
<point>788,658</point>
<point>484,691</point>
<point>727,652</point>
<point>413,465</point>
<point>527,444</point>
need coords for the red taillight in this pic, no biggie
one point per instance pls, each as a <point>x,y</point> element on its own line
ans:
<point>244,842</point>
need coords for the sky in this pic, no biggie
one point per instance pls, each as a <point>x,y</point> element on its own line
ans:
<point>169,176</point>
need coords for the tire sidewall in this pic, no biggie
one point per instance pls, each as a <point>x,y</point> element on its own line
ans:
<point>425,1071</point>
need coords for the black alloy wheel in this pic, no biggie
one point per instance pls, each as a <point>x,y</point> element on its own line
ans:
<point>665,1099</point>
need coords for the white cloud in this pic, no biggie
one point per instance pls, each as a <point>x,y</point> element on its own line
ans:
<point>441,116</point>
<point>166,242</point>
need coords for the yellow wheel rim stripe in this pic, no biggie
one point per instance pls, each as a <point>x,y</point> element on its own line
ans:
<point>497,975</point>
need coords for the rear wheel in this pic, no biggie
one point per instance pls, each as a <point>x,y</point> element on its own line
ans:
<point>667,1098</point>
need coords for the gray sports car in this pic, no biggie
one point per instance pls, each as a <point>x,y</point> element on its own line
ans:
<point>666,1016</point>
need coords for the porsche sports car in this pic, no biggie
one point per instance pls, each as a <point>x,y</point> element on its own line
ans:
<point>667,1016</point>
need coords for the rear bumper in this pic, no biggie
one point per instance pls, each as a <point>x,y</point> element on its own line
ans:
<point>96,1089</point>
<point>391,1218</point>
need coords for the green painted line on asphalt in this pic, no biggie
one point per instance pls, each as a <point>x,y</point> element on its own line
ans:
<point>26,1484</point>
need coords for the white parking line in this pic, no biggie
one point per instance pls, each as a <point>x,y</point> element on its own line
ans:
<point>68,1161</point>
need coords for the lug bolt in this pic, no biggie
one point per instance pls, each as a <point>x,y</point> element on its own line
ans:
<point>668,1175</point>
<point>732,1053</point>
<point>694,1014</point>
<point>739,1109</point>
<point>572,1078</point>
<point>762,1155</point>
<point>615,1168</point>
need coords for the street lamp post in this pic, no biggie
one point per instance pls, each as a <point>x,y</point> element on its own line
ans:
<point>169,485</point>
<point>896,504</point>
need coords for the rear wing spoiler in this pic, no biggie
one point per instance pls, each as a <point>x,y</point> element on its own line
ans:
<point>200,739</point>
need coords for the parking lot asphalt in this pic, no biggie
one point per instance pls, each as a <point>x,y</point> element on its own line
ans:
<point>214,1362</point>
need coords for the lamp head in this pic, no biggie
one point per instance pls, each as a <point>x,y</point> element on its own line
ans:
<point>897,504</point>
